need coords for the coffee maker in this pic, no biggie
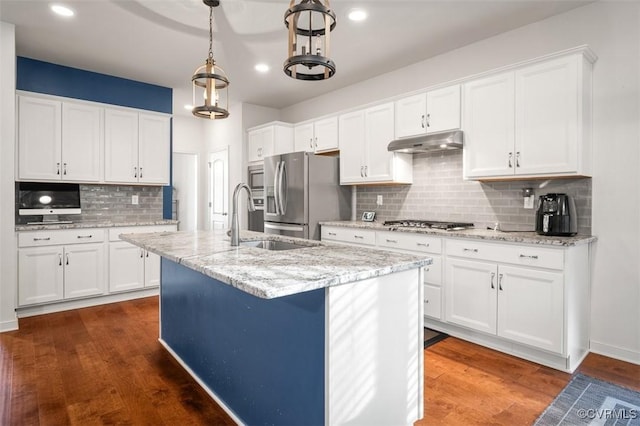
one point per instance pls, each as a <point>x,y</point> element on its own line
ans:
<point>556,215</point>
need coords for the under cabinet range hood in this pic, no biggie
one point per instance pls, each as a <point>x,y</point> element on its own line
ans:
<point>440,141</point>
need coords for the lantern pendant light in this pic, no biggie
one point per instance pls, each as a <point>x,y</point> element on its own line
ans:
<point>310,24</point>
<point>210,83</point>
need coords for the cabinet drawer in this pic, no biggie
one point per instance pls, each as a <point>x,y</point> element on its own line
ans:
<point>114,233</point>
<point>349,235</point>
<point>409,241</point>
<point>432,301</point>
<point>540,257</point>
<point>433,272</point>
<point>59,237</point>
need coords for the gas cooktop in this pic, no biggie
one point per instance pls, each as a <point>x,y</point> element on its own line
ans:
<point>433,224</point>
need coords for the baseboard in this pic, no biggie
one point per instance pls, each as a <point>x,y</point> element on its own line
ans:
<point>8,325</point>
<point>615,352</point>
<point>30,311</point>
<point>195,377</point>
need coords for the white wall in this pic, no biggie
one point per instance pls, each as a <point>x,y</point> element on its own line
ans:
<point>611,29</point>
<point>8,256</point>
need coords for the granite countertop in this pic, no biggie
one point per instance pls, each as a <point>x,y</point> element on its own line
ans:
<point>475,233</point>
<point>269,274</point>
<point>94,224</point>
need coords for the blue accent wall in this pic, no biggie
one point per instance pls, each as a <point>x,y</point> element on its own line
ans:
<point>263,357</point>
<point>52,79</point>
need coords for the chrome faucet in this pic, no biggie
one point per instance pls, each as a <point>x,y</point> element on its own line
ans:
<point>235,228</point>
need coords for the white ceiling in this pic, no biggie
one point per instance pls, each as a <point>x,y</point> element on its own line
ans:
<point>164,41</point>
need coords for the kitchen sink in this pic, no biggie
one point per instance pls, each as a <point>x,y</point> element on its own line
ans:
<point>272,245</point>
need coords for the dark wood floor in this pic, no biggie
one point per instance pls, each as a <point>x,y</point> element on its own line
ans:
<point>104,365</point>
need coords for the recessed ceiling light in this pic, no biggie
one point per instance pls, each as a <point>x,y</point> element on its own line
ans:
<point>189,107</point>
<point>262,68</point>
<point>357,15</point>
<point>62,10</point>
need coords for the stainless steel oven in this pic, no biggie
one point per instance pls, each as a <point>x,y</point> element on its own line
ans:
<point>256,183</point>
<point>256,178</point>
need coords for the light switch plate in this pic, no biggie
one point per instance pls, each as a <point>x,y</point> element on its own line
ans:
<point>134,199</point>
<point>379,200</point>
<point>528,202</point>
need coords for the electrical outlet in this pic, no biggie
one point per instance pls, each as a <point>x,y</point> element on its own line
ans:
<point>134,199</point>
<point>379,200</point>
<point>528,202</point>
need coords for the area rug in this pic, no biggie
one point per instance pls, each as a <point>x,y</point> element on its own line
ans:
<point>432,336</point>
<point>589,401</point>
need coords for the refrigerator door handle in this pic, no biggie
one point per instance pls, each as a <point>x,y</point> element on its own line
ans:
<point>268,225</point>
<point>275,189</point>
<point>283,188</point>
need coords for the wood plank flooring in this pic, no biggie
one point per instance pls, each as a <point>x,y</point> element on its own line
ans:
<point>104,365</point>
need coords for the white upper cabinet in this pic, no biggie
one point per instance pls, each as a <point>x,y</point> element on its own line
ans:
<point>319,136</point>
<point>534,121</point>
<point>136,147</point>
<point>270,139</point>
<point>364,137</point>
<point>58,140</point>
<point>433,111</point>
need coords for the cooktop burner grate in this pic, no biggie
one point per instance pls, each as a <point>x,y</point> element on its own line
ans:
<point>433,224</point>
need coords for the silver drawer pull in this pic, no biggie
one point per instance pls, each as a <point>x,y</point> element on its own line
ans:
<point>84,236</point>
<point>426,269</point>
<point>42,239</point>
<point>332,233</point>
<point>426,300</point>
<point>528,257</point>
<point>422,244</point>
<point>392,241</point>
<point>471,250</point>
<point>360,237</point>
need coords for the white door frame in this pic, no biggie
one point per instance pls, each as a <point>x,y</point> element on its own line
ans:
<point>197,183</point>
<point>223,215</point>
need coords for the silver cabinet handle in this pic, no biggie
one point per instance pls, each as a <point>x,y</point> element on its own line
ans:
<point>427,269</point>
<point>140,171</point>
<point>146,253</point>
<point>426,300</point>
<point>500,282</point>
<point>332,233</point>
<point>59,259</point>
<point>141,253</point>
<point>471,250</point>
<point>525,256</point>
<point>392,241</point>
<point>58,168</point>
<point>361,171</point>
<point>259,152</point>
<point>366,171</point>
<point>41,238</point>
<point>64,168</point>
<point>67,257</point>
<point>315,143</point>
<point>518,159</point>
<point>510,159</point>
<point>225,214</point>
<point>493,275</point>
<point>428,120</point>
<point>311,143</point>
<point>422,122</point>
<point>422,244</point>
<point>84,236</point>
<point>358,237</point>
<point>135,172</point>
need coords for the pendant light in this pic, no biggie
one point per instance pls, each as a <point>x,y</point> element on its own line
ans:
<point>210,83</point>
<point>310,24</point>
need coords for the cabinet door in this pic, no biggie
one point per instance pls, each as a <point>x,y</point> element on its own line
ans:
<point>151,269</point>
<point>470,294</point>
<point>126,266</point>
<point>488,124</point>
<point>379,132</point>
<point>254,146</point>
<point>84,270</point>
<point>411,116</point>
<point>282,140</point>
<point>352,145</point>
<point>39,138</point>
<point>121,146</point>
<point>432,301</point>
<point>547,112</point>
<point>531,306</point>
<point>303,137</point>
<point>40,275</point>
<point>153,149</point>
<point>326,134</point>
<point>443,109</point>
<point>268,141</point>
<point>81,142</point>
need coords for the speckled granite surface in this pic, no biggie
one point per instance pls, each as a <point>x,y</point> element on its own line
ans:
<point>92,224</point>
<point>270,274</point>
<point>479,234</point>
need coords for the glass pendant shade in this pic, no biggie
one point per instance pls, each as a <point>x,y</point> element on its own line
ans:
<point>209,82</point>
<point>310,24</point>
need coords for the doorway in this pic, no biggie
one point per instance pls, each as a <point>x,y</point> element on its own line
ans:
<point>185,190</point>
<point>219,189</point>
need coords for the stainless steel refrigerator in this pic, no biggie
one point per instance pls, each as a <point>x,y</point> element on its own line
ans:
<point>302,189</point>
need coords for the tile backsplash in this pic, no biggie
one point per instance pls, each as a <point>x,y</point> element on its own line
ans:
<point>440,193</point>
<point>102,203</point>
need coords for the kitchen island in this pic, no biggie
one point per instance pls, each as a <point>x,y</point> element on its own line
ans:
<point>319,334</point>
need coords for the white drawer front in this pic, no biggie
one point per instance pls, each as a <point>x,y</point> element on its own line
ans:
<point>432,301</point>
<point>114,233</point>
<point>60,237</point>
<point>433,272</point>
<point>409,241</point>
<point>535,256</point>
<point>349,235</point>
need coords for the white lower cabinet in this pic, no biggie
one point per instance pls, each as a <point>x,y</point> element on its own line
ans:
<point>40,275</point>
